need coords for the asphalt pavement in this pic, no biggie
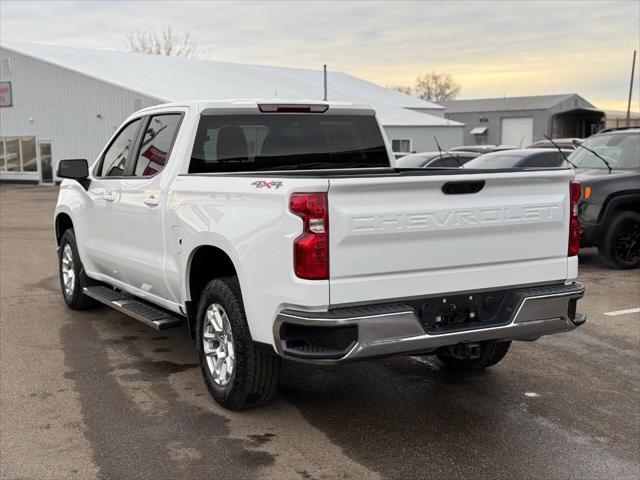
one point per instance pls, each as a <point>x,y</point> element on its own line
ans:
<point>96,394</point>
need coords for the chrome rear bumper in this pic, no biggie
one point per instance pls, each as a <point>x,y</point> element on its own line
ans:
<point>396,329</point>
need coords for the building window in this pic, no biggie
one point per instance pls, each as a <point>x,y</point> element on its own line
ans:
<point>18,154</point>
<point>3,167</point>
<point>401,145</point>
<point>29,158</point>
<point>12,154</point>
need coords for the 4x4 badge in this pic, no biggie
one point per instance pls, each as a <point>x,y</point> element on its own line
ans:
<point>265,184</point>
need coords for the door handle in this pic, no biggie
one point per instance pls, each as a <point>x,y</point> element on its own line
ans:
<point>151,201</point>
<point>110,197</point>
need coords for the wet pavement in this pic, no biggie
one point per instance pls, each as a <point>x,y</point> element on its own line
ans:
<point>96,394</point>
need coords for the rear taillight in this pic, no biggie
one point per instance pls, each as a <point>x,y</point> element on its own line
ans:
<point>311,248</point>
<point>575,191</point>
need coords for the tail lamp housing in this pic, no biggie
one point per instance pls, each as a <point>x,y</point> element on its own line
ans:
<point>311,248</point>
<point>575,192</point>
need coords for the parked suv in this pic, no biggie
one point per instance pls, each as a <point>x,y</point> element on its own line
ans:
<point>608,167</point>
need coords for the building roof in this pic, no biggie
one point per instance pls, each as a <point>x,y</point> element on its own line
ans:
<point>179,79</point>
<point>538,102</point>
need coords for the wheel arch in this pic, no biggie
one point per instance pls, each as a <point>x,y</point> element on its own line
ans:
<point>619,202</point>
<point>63,222</point>
<point>205,263</point>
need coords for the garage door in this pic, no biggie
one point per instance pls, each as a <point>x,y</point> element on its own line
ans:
<point>517,132</point>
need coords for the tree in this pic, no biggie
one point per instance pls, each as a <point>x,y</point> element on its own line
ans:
<point>433,86</point>
<point>402,88</point>
<point>166,42</point>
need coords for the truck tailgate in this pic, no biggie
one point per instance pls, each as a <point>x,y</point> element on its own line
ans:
<point>398,237</point>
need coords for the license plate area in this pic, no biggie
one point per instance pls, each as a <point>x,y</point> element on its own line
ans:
<point>453,313</point>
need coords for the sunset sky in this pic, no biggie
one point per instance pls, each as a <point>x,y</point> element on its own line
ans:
<point>491,48</point>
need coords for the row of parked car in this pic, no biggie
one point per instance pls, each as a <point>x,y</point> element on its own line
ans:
<point>542,154</point>
<point>607,166</point>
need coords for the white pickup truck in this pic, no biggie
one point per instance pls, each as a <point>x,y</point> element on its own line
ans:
<point>283,230</point>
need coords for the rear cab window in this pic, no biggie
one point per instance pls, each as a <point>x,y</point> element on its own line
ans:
<point>273,142</point>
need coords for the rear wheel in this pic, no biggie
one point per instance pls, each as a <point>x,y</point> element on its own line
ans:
<point>238,373</point>
<point>490,354</point>
<point>620,247</point>
<point>73,279</point>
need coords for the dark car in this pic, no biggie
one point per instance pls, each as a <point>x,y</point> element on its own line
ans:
<point>520,158</point>
<point>565,143</point>
<point>436,159</point>
<point>481,149</point>
<point>609,210</point>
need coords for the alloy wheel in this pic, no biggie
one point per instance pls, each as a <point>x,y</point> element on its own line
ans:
<point>68,273</point>
<point>627,243</point>
<point>217,340</point>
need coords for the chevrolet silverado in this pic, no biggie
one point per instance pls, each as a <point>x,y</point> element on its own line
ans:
<point>285,230</point>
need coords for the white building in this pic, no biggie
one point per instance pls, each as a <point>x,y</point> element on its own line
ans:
<point>62,102</point>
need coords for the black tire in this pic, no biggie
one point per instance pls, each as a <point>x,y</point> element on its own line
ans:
<point>74,297</point>
<point>492,353</point>
<point>254,376</point>
<point>620,246</point>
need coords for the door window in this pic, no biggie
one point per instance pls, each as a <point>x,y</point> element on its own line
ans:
<point>114,161</point>
<point>156,144</point>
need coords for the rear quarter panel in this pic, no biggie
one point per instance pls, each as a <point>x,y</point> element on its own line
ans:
<point>252,224</point>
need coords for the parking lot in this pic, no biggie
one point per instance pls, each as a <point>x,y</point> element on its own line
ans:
<point>97,394</point>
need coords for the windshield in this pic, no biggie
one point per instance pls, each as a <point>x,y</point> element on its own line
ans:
<point>243,143</point>
<point>620,149</point>
<point>494,160</point>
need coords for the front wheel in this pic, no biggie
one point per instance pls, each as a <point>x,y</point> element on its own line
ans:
<point>620,246</point>
<point>73,279</point>
<point>490,354</point>
<point>238,373</point>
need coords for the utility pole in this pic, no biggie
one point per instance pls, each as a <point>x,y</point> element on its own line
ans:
<point>633,68</point>
<point>325,80</point>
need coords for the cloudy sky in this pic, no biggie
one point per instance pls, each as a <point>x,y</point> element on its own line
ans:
<point>492,48</point>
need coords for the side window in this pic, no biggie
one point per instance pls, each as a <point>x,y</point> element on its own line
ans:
<point>156,144</point>
<point>114,160</point>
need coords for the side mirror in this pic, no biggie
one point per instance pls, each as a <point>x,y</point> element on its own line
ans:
<point>76,169</point>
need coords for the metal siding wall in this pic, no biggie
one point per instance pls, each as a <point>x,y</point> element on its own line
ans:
<point>52,103</point>
<point>422,138</point>
<point>472,120</point>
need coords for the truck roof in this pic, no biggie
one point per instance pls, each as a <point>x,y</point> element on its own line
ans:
<point>253,105</point>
